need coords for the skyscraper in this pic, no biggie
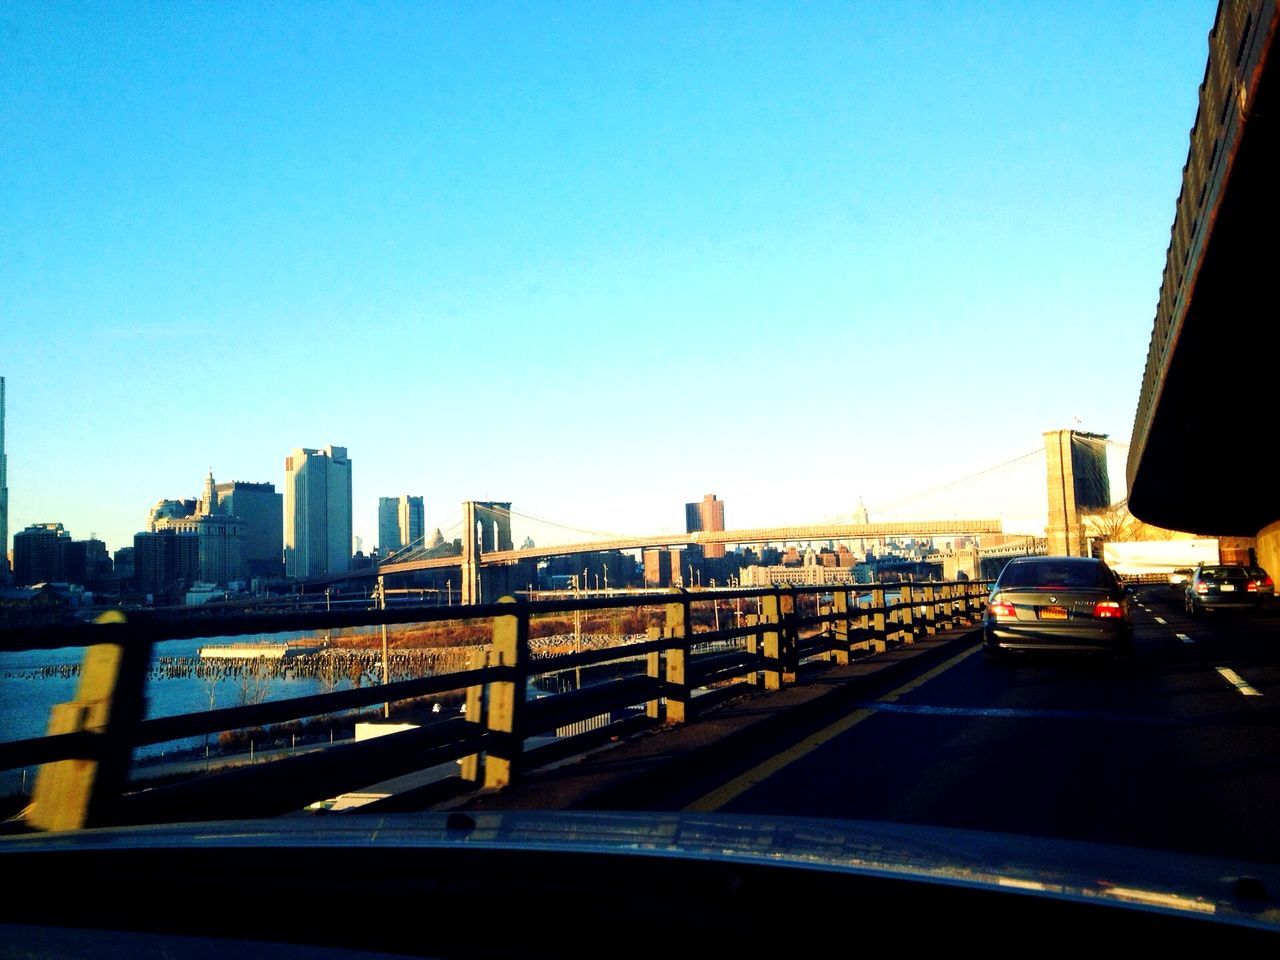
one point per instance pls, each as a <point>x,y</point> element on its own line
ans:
<point>262,510</point>
<point>317,512</point>
<point>4,495</point>
<point>400,522</point>
<point>708,514</point>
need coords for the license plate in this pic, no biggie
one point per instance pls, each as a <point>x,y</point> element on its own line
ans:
<point>1227,588</point>
<point>1053,613</point>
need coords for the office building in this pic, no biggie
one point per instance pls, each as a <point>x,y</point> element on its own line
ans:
<point>219,536</point>
<point>39,554</point>
<point>86,562</point>
<point>661,566</point>
<point>811,574</point>
<point>122,564</point>
<point>165,563</point>
<point>706,515</point>
<point>46,553</point>
<point>400,523</point>
<point>317,512</point>
<point>261,509</point>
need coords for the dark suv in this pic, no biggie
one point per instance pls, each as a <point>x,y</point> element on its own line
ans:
<point>1227,585</point>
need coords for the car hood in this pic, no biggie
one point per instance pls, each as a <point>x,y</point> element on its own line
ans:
<point>1203,887</point>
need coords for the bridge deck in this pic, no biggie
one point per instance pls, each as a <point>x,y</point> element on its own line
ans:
<point>756,535</point>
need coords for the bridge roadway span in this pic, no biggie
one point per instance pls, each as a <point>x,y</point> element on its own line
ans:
<point>1166,754</point>
<point>818,531</point>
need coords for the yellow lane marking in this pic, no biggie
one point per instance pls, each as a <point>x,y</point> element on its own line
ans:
<point>730,791</point>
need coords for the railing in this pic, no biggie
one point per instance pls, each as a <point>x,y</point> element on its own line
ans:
<point>684,661</point>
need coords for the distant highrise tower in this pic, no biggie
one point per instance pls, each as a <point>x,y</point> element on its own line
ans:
<point>4,495</point>
<point>1078,482</point>
<point>262,510</point>
<point>708,514</point>
<point>400,522</point>
<point>39,553</point>
<point>388,525</point>
<point>317,512</point>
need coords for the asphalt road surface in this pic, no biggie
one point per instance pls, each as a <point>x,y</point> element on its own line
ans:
<point>1179,751</point>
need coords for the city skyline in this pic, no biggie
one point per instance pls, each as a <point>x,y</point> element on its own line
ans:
<point>891,215</point>
<point>1032,480</point>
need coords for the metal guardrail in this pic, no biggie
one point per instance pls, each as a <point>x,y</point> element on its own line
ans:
<point>86,757</point>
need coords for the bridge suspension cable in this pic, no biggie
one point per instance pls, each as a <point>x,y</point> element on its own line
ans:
<point>454,525</point>
<point>942,488</point>
<point>602,534</point>
<point>418,546</point>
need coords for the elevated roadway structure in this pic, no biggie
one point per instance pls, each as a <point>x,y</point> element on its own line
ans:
<point>1202,452</point>
<point>755,535</point>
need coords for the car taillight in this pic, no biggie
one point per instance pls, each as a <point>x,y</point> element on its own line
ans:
<point>1107,609</point>
<point>1001,608</point>
<point>1202,587</point>
<point>1251,586</point>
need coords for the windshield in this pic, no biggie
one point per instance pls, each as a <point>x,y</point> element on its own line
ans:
<point>1035,573</point>
<point>753,341</point>
<point>1224,572</point>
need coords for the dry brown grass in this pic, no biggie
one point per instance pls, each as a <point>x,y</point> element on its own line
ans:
<point>469,633</point>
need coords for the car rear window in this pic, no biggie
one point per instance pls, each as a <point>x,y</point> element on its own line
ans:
<point>1222,572</point>
<point>1050,574</point>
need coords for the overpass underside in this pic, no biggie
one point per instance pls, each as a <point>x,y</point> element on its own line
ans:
<point>1204,435</point>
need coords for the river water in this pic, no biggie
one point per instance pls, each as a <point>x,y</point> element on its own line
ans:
<point>33,681</point>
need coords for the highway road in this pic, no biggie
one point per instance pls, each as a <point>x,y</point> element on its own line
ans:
<point>1179,751</point>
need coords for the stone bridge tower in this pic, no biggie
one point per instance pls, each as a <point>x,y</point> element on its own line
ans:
<point>486,527</point>
<point>1078,483</point>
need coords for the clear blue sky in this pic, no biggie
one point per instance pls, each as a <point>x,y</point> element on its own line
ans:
<point>596,259</point>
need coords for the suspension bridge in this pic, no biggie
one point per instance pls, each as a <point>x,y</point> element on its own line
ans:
<point>478,541</point>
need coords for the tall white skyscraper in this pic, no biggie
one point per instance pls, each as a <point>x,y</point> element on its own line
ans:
<point>400,522</point>
<point>317,512</point>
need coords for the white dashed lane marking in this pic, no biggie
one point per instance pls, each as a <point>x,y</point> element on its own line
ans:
<point>1160,620</point>
<point>1237,681</point>
<point>1184,638</point>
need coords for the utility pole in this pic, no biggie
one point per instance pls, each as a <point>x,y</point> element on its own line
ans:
<point>577,635</point>
<point>381,593</point>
